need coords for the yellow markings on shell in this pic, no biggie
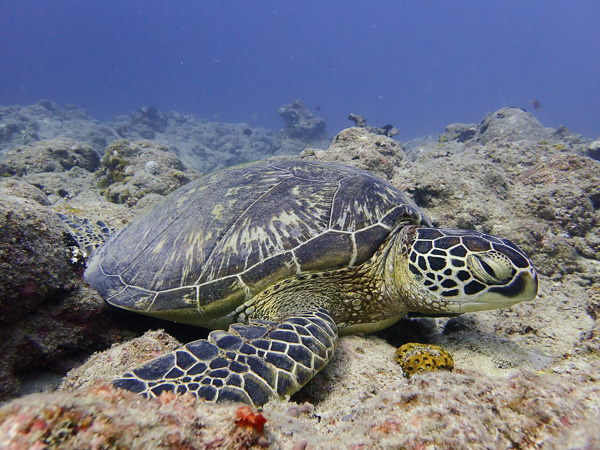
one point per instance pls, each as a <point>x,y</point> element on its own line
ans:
<point>347,219</point>
<point>291,224</point>
<point>159,246</point>
<point>373,209</point>
<point>256,237</point>
<point>187,245</point>
<point>218,211</point>
<point>233,191</point>
<point>241,238</point>
<point>149,231</point>
<point>193,192</point>
<point>192,242</point>
<point>285,218</point>
<point>181,201</point>
<point>190,299</point>
<point>159,279</point>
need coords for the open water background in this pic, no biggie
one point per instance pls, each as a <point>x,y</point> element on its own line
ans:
<point>418,64</point>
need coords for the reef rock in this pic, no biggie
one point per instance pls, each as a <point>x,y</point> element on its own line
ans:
<point>46,311</point>
<point>300,122</point>
<point>50,155</point>
<point>593,150</point>
<point>360,148</point>
<point>150,121</point>
<point>22,125</point>
<point>361,122</point>
<point>201,144</point>
<point>359,400</point>
<point>106,365</point>
<point>460,132</point>
<point>132,170</point>
<point>510,124</point>
<point>103,417</point>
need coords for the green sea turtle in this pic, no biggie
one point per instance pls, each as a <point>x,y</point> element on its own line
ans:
<point>286,255</point>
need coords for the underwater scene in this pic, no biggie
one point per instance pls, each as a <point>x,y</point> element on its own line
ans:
<point>299,224</point>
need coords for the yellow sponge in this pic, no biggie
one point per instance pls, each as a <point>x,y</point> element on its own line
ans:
<point>415,358</point>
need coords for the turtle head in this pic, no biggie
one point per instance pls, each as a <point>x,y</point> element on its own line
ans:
<point>458,271</point>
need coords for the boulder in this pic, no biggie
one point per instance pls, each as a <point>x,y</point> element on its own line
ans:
<point>47,313</point>
<point>49,155</point>
<point>300,122</point>
<point>132,170</point>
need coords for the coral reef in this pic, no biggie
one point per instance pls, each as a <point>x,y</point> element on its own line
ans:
<point>525,377</point>
<point>593,150</point>
<point>513,125</point>
<point>509,124</point>
<point>357,400</point>
<point>201,144</point>
<point>106,365</point>
<point>460,132</point>
<point>149,121</point>
<point>549,187</point>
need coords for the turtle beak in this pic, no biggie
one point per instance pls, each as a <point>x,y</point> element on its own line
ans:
<point>523,288</point>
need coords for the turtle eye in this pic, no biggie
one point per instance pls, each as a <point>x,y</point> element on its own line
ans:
<point>490,267</point>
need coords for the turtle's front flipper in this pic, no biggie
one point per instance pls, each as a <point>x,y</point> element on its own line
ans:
<point>249,363</point>
<point>88,235</point>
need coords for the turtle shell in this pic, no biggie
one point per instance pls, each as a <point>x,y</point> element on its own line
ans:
<point>219,240</point>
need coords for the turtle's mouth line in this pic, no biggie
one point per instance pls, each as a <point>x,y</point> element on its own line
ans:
<point>484,305</point>
<point>480,306</point>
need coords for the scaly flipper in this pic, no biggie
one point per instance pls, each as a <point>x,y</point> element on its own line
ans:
<point>249,363</point>
<point>88,235</point>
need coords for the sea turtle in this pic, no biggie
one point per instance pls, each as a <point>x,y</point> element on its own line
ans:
<point>286,255</point>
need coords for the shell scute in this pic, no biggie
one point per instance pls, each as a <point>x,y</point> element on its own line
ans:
<point>327,252</point>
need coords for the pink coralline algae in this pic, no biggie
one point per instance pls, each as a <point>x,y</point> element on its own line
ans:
<point>103,417</point>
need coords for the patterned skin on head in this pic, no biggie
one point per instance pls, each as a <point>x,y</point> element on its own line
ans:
<point>464,270</point>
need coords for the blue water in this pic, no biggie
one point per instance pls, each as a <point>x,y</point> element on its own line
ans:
<point>417,64</point>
